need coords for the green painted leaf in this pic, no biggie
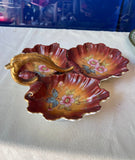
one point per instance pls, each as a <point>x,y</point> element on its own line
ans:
<point>54,93</point>
<point>55,103</point>
<point>50,100</point>
<point>88,70</point>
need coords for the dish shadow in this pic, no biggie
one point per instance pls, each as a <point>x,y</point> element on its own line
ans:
<point>85,136</point>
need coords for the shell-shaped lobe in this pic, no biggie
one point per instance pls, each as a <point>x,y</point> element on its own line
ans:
<point>57,55</point>
<point>97,60</point>
<point>68,95</point>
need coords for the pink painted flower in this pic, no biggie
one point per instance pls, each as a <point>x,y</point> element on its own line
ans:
<point>61,83</point>
<point>43,68</point>
<point>67,100</point>
<point>93,62</point>
<point>101,69</point>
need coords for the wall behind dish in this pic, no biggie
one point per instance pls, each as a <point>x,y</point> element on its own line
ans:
<point>109,15</point>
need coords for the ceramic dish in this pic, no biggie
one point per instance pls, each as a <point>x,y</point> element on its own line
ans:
<point>67,95</point>
<point>65,83</point>
<point>97,60</point>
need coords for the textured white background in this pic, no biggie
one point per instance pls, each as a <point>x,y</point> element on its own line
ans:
<point>107,135</point>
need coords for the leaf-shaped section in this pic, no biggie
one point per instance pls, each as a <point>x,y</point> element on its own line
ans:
<point>20,60</point>
<point>85,98</point>
<point>105,61</point>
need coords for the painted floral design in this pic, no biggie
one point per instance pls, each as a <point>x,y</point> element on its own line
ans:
<point>43,68</point>
<point>101,69</point>
<point>95,66</point>
<point>60,84</point>
<point>63,102</point>
<point>93,62</point>
<point>52,100</point>
<point>88,69</point>
<point>67,100</point>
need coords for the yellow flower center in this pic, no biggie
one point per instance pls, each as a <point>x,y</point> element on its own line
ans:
<point>100,68</point>
<point>93,62</point>
<point>67,100</point>
<point>44,68</point>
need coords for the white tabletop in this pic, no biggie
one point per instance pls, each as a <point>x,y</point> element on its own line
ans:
<point>107,135</point>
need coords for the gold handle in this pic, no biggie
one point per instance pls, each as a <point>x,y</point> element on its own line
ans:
<point>18,61</point>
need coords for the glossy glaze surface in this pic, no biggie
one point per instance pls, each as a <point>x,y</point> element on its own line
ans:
<point>97,61</point>
<point>56,54</point>
<point>65,83</point>
<point>67,95</point>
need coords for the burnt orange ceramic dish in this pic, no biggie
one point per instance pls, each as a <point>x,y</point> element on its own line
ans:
<point>67,96</point>
<point>65,83</point>
<point>97,60</point>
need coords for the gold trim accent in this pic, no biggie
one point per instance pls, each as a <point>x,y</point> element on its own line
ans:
<point>19,60</point>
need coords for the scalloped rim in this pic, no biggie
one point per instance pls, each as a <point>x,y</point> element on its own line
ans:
<point>68,119</point>
<point>113,76</point>
<point>52,49</point>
